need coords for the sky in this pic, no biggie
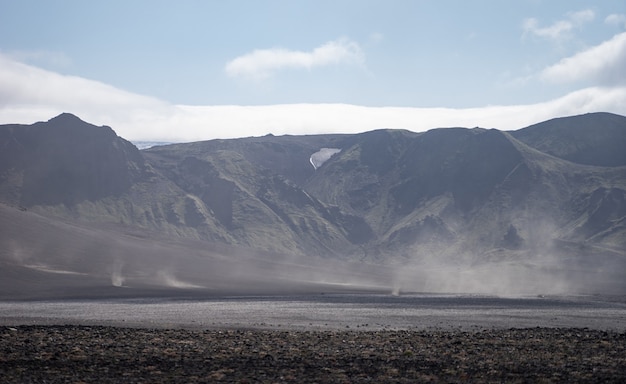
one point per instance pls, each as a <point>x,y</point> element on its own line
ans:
<point>195,70</point>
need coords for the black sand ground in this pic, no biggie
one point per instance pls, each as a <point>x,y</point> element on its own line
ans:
<point>86,354</point>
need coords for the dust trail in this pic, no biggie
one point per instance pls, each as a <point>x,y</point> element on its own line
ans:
<point>169,280</point>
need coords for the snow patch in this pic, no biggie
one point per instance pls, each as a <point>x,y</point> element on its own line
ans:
<point>320,157</point>
<point>149,144</point>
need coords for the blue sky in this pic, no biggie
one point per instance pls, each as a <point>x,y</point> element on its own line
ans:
<point>190,70</point>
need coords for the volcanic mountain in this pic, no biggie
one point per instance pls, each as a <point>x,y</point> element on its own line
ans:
<point>540,209</point>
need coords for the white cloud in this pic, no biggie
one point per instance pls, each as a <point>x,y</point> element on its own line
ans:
<point>346,118</point>
<point>560,29</point>
<point>29,94</point>
<point>554,31</point>
<point>262,63</point>
<point>602,64</point>
<point>616,19</point>
<point>581,17</point>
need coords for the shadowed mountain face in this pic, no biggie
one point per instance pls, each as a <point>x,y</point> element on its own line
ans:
<point>593,139</point>
<point>65,161</point>
<point>541,209</point>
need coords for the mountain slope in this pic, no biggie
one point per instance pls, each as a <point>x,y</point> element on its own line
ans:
<point>43,257</point>
<point>244,185</point>
<point>592,139</point>
<point>65,161</point>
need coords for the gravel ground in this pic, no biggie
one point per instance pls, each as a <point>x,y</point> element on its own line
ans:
<point>86,354</point>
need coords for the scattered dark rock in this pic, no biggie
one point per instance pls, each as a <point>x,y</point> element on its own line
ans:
<point>109,355</point>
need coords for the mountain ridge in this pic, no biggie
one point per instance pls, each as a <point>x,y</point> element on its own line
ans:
<point>450,196</point>
<point>52,175</point>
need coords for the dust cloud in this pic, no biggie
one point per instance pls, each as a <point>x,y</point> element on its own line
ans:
<point>554,268</point>
<point>100,262</point>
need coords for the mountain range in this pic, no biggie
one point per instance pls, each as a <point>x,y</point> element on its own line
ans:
<point>537,210</point>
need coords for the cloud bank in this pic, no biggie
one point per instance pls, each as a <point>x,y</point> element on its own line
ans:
<point>29,94</point>
<point>263,63</point>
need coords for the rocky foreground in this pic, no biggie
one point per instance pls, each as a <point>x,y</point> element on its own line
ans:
<point>82,354</point>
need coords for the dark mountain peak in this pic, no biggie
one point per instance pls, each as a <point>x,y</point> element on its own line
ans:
<point>591,139</point>
<point>66,160</point>
<point>468,163</point>
<point>69,124</point>
<point>65,118</point>
<point>379,149</point>
<point>580,121</point>
<point>445,147</point>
